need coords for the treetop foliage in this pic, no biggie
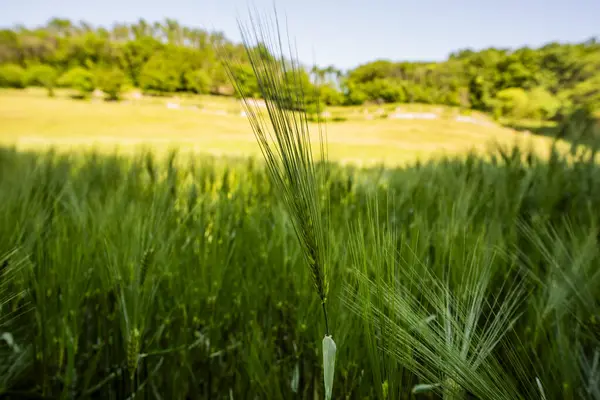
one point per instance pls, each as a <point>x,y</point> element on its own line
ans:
<point>165,57</point>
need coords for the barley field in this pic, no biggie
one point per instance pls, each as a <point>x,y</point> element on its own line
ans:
<point>182,278</point>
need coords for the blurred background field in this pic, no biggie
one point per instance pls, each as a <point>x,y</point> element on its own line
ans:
<point>217,125</point>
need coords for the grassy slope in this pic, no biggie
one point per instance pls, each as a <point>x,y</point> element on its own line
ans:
<point>31,120</point>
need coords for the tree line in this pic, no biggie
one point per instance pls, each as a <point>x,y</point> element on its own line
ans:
<point>165,57</point>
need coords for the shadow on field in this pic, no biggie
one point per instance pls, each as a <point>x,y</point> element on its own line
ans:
<point>548,130</point>
<point>580,127</point>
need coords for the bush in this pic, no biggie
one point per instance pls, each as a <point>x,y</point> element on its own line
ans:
<point>517,103</point>
<point>111,82</point>
<point>542,104</point>
<point>355,95</point>
<point>247,85</point>
<point>41,75</point>
<point>330,96</point>
<point>12,76</point>
<point>586,94</point>
<point>160,75</point>
<point>198,81</point>
<point>80,79</point>
<point>384,89</point>
<point>512,102</point>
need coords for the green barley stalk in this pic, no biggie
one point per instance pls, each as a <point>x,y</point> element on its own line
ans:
<point>445,333</point>
<point>285,141</point>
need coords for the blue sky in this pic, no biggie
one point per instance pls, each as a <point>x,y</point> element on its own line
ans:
<point>350,32</point>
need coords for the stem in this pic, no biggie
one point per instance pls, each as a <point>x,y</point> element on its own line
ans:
<point>326,321</point>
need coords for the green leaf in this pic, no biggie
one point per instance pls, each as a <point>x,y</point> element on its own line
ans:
<point>329,350</point>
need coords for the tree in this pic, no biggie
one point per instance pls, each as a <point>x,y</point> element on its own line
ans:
<point>479,91</point>
<point>330,96</point>
<point>219,80</point>
<point>160,75</point>
<point>512,102</point>
<point>43,76</point>
<point>9,46</point>
<point>172,57</point>
<point>543,104</point>
<point>12,76</point>
<point>587,94</point>
<point>197,81</point>
<point>79,79</point>
<point>385,90</point>
<point>354,94</point>
<point>134,55</point>
<point>111,82</point>
<point>246,80</point>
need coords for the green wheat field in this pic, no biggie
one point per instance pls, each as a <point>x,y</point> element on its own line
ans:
<point>199,259</point>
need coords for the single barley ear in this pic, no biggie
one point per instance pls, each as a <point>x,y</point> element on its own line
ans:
<point>146,262</point>
<point>452,390</point>
<point>329,349</point>
<point>133,350</point>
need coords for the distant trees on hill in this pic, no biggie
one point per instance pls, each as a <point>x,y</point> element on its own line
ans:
<point>165,57</point>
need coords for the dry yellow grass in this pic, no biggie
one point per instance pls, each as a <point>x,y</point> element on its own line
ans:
<point>30,120</point>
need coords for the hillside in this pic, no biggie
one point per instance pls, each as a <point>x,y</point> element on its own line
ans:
<point>393,134</point>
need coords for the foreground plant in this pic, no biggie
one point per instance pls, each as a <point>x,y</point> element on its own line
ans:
<point>444,329</point>
<point>285,141</point>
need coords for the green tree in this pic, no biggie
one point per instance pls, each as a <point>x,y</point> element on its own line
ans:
<point>134,55</point>
<point>197,81</point>
<point>79,79</point>
<point>587,94</point>
<point>219,80</point>
<point>354,93</point>
<point>12,76</point>
<point>479,90</point>
<point>111,82</point>
<point>160,75</point>
<point>330,96</point>
<point>385,90</point>
<point>543,104</point>
<point>512,102</point>
<point>42,75</point>
<point>172,57</point>
<point>246,80</point>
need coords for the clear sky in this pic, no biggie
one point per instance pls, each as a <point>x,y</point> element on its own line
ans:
<point>349,32</point>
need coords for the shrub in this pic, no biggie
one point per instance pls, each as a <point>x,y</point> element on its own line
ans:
<point>246,82</point>
<point>330,96</point>
<point>160,75</point>
<point>542,104</point>
<point>12,76</point>
<point>42,75</point>
<point>355,95</point>
<point>512,102</point>
<point>384,89</point>
<point>111,82</point>
<point>80,79</point>
<point>587,94</point>
<point>197,81</point>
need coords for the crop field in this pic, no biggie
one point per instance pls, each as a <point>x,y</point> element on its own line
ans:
<point>128,276</point>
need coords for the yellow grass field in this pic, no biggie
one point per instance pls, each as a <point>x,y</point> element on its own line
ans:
<point>30,120</point>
